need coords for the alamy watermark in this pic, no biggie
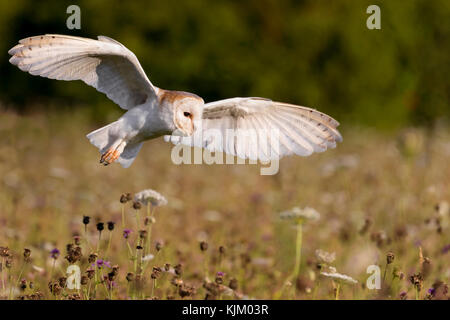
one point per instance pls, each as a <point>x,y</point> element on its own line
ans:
<point>74,20</point>
<point>374,20</point>
<point>221,147</point>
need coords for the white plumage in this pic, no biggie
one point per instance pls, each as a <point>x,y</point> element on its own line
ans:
<point>239,126</point>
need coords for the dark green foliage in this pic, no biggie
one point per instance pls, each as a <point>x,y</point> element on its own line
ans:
<point>313,53</point>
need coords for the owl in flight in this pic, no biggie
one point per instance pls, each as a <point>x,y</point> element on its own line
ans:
<point>181,117</point>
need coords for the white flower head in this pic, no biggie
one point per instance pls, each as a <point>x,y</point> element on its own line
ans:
<point>150,196</point>
<point>339,277</point>
<point>324,256</point>
<point>300,214</point>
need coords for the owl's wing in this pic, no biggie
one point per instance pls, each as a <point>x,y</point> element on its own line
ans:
<point>104,64</point>
<point>261,129</point>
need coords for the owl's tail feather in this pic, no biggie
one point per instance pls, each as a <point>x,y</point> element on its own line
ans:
<point>112,146</point>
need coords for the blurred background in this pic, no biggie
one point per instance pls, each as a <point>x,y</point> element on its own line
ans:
<point>313,53</point>
<point>383,191</point>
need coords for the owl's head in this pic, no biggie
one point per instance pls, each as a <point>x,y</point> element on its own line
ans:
<point>187,112</point>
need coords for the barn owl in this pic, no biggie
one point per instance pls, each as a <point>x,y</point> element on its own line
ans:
<point>151,112</point>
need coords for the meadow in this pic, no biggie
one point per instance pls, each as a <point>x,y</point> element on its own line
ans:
<point>383,199</point>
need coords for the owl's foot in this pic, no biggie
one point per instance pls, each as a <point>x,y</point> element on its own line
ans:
<point>112,154</point>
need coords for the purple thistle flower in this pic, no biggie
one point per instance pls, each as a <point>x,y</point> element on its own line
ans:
<point>54,253</point>
<point>100,263</point>
<point>220,274</point>
<point>126,233</point>
<point>431,291</point>
<point>446,249</point>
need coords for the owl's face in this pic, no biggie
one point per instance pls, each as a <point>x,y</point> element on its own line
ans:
<point>188,114</point>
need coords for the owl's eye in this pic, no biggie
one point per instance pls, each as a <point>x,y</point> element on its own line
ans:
<point>187,114</point>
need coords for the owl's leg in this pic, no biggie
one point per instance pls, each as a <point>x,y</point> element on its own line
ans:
<point>113,153</point>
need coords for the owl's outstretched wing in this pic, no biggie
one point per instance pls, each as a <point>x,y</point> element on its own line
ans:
<point>104,64</point>
<point>261,129</point>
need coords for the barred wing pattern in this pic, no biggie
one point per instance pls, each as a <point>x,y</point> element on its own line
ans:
<point>104,64</point>
<point>261,129</point>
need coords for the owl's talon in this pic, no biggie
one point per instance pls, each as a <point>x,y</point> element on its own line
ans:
<point>109,156</point>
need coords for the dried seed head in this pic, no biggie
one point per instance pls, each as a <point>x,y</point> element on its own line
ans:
<point>203,246</point>
<point>8,262</point>
<point>26,254</point>
<point>124,198</point>
<point>130,276</point>
<point>222,250</point>
<point>90,273</point>
<point>84,280</point>
<point>110,225</point>
<point>417,280</point>
<point>143,234</point>
<point>389,257</point>
<point>4,252</point>
<point>62,282</point>
<point>23,284</point>
<point>136,205</point>
<point>92,257</point>
<point>178,269</point>
<point>167,267</point>
<point>86,220</point>
<point>100,226</point>
<point>158,245</point>
<point>149,220</point>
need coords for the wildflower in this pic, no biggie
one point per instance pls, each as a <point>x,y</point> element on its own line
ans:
<point>148,257</point>
<point>100,263</point>
<point>54,253</point>
<point>100,226</point>
<point>446,249</point>
<point>150,196</point>
<point>338,277</point>
<point>324,256</point>
<point>124,198</point>
<point>300,215</point>
<point>126,233</point>
<point>110,225</point>
<point>86,220</point>
<point>77,240</point>
<point>403,295</point>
